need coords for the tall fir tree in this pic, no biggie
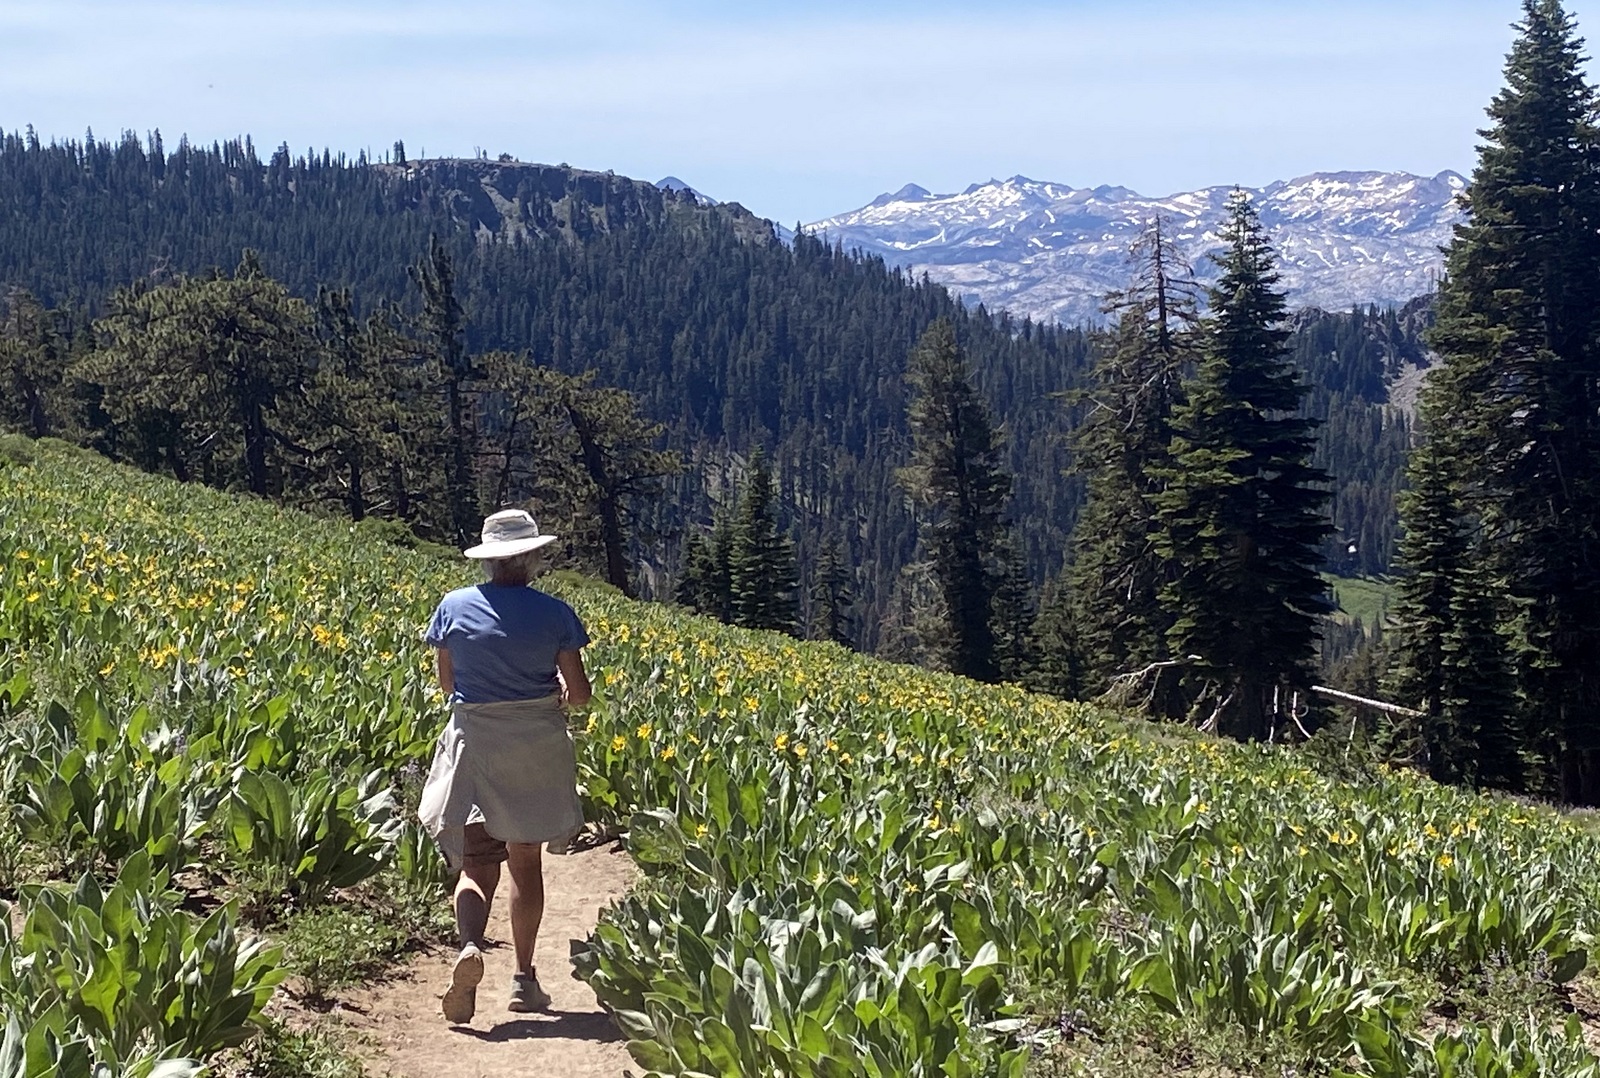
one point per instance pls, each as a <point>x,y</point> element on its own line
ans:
<point>1013,613</point>
<point>716,573</point>
<point>704,585</point>
<point>1515,408</point>
<point>956,475</point>
<point>830,596</point>
<point>31,365</point>
<point>762,575</point>
<point>1241,515</point>
<point>1451,661</point>
<point>1058,666</point>
<point>1434,548</point>
<point>443,324</point>
<point>687,591</point>
<point>1115,575</point>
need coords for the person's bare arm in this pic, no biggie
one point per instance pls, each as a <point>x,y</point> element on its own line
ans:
<point>575,689</point>
<point>447,671</point>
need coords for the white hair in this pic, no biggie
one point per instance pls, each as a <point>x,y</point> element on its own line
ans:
<point>517,569</point>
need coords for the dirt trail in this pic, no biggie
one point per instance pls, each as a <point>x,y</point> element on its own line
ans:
<point>408,1038</point>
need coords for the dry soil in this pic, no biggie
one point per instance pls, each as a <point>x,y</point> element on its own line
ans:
<point>406,1037</point>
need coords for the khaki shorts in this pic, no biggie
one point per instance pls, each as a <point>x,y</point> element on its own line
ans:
<point>482,848</point>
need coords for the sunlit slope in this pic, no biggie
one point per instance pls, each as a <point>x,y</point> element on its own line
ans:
<point>862,866</point>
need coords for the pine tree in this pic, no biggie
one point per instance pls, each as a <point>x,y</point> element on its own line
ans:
<point>1012,613</point>
<point>31,366</point>
<point>1122,445</point>
<point>1450,660</point>
<point>761,562</point>
<point>1241,517</point>
<point>524,450</point>
<point>194,375</point>
<point>443,324</point>
<point>693,589</point>
<point>1434,549</point>
<point>1515,408</point>
<point>358,423</point>
<point>716,570</point>
<point>830,596</point>
<point>1059,665</point>
<point>615,445</point>
<point>956,476</point>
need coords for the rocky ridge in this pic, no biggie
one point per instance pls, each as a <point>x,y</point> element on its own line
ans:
<point>1052,252</point>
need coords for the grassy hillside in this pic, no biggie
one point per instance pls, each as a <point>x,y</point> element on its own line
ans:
<point>857,868</point>
<point>1366,598</point>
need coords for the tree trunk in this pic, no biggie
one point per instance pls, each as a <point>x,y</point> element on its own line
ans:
<point>180,467</point>
<point>402,496</point>
<point>254,421</point>
<point>462,500</point>
<point>606,502</point>
<point>38,418</point>
<point>1580,776</point>
<point>356,499</point>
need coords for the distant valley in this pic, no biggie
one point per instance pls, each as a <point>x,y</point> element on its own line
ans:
<point>1051,252</point>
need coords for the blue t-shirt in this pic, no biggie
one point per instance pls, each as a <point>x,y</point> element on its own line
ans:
<point>503,641</point>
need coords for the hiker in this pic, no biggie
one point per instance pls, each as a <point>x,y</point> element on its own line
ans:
<point>504,778</point>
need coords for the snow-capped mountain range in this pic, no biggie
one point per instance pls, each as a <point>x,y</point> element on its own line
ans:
<point>1052,251</point>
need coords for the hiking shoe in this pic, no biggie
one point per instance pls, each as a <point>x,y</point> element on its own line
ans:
<point>526,995</point>
<point>461,998</point>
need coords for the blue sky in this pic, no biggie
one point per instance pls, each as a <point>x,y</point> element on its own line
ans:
<point>796,110</point>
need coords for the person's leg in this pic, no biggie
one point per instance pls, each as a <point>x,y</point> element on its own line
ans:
<point>527,900</point>
<point>474,895</point>
<point>476,885</point>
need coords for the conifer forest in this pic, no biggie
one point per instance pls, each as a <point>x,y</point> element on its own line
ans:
<point>1208,688</point>
<point>788,435</point>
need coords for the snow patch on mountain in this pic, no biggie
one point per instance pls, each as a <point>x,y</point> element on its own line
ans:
<point>672,183</point>
<point>1052,251</point>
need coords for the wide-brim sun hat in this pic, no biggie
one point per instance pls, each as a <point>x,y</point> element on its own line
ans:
<point>508,533</point>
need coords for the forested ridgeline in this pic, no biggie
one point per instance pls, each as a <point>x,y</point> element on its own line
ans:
<point>727,337</point>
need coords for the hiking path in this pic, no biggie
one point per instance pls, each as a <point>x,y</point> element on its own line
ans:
<point>403,1034</point>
